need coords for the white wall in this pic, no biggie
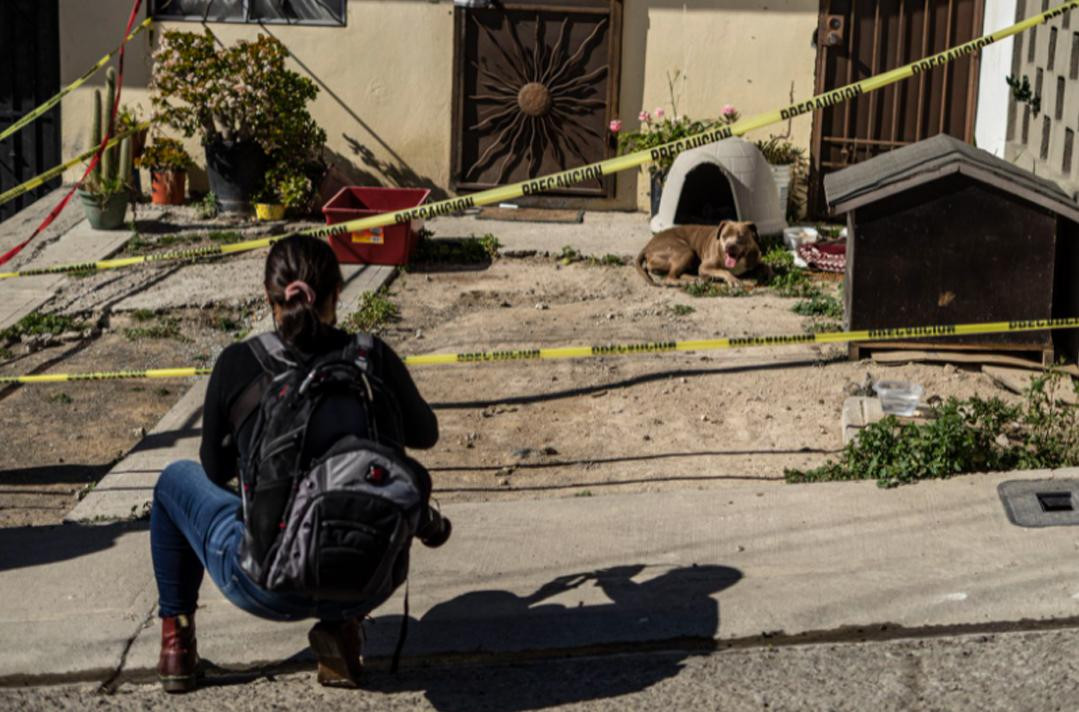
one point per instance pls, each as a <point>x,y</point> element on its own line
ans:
<point>991,120</point>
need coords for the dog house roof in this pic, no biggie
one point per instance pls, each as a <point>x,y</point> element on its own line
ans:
<point>910,166</point>
<point>752,185</point>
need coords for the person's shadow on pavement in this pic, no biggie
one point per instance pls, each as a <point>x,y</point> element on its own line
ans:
<point>676,607</point>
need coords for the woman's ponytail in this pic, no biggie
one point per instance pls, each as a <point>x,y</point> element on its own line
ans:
<point>302,277</point>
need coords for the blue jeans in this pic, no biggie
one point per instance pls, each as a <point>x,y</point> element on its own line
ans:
<point>196,526</point>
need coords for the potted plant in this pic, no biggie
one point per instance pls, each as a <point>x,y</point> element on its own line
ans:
<point>107,190</point>
<point>168,164</point>
<point>657,129</point>
<point>786,161</point>
<point>248,109</point>
<point>284,189</point>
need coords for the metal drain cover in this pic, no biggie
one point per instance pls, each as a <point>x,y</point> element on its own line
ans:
<point>1041,503</point>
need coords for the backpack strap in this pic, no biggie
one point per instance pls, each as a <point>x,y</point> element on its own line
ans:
<point>274,358</point>
<point>361,350</point>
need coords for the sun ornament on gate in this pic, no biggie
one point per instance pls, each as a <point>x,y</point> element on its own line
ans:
<point>536,99</point>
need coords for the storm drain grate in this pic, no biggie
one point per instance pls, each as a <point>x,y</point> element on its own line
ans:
<point>1040,503</point>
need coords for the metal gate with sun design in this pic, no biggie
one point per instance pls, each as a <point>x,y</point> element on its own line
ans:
<point>535,87</point>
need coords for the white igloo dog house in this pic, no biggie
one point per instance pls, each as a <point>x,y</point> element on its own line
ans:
<point>726,180</point>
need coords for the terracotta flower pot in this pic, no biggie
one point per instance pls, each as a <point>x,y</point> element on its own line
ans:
<point>168,187</point>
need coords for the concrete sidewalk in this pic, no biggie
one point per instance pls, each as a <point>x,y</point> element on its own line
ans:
<point>70,239</point>
<point>731,563</point>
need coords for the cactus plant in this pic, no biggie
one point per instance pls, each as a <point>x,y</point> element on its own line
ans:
<point>112,174</point>
<point>109,159</point>
<point>95,136</point>
<point>106,193</point>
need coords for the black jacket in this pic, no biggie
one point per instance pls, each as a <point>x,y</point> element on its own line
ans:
<point>237,367</point>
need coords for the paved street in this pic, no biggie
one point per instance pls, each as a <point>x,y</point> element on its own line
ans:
<point>1030,671</point>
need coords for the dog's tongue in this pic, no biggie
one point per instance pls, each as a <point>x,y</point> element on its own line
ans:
<point>729,261</point>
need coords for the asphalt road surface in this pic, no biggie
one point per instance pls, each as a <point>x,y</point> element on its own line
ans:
<point>1029,671</point>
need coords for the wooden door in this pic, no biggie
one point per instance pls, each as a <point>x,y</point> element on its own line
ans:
<point>857,39</point>
<point>29,75</point>
<point>535,87</point>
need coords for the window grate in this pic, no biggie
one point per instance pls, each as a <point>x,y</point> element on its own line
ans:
<point>291,12</point>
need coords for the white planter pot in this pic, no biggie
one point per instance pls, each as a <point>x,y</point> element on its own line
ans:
<point>783,175</point>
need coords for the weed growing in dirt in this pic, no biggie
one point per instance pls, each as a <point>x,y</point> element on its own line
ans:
<point>975,435</point>
<point>36,323</point>
<point>143,314</point>
<point>819,305</point>
<point>139,245</point>
<point>702,289</point>
<point>61,398</point>
<point>5,354</point>
<point>787,279</point>
<point>226,237</point>
<point>607,260</point>
<point>682,309</point>
<point>460,251</point>
<point>569,255</point>
<point>208,208</point>
<point>163,328</point>
<point>201,358</point>
<point>817,326</point>
<point>162,392</point>
<point>375,312</point>
<point>708,288</point>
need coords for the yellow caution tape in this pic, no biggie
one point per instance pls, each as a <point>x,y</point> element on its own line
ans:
<point>609,166</point>
<point>673,148</point>
<point>44,108</point>
<point>53,172</point>
<point>624,349</point>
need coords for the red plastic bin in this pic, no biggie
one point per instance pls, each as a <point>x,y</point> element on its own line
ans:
<point>389,245</point>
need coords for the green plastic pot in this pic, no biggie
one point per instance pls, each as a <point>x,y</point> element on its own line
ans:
<point>107,214</point>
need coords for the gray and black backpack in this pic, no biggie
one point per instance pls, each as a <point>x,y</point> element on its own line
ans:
<point>331,504</point>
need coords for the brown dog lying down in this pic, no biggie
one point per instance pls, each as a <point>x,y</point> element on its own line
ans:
<point>724,252</point>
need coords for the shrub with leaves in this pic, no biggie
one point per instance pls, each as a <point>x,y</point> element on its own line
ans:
<point>242,92</point>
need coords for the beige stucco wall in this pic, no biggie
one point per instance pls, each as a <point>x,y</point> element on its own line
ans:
<point>387,77</point>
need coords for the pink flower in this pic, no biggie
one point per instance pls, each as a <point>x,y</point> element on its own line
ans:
<point>659,112</point>
<point>615,126</point>
<point>729,110</point>
<point>644,116</point>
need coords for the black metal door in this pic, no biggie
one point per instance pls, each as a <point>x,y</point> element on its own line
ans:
<point>857,39</point>
<point>535,89</point>
<point>29,75</point>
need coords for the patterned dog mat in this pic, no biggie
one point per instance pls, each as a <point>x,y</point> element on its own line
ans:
<point>825,256</point>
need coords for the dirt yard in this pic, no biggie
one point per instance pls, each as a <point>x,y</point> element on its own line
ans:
<point>522,429</point>
<point>640,423</point>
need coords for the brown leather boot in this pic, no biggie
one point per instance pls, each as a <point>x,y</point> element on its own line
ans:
<point>177,666</point>
<point>339,649</point>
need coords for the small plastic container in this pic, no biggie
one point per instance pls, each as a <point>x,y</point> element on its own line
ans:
<point>795,237</point>
<point>389,245</point>
<point>899,397</point>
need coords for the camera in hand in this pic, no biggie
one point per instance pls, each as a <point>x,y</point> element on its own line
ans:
<point>434,530</point>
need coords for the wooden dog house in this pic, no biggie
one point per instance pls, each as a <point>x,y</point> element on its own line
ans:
<point>940,232</point>
<point>725,180</point>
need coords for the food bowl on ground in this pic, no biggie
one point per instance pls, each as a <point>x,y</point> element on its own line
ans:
<point>899,397</point>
